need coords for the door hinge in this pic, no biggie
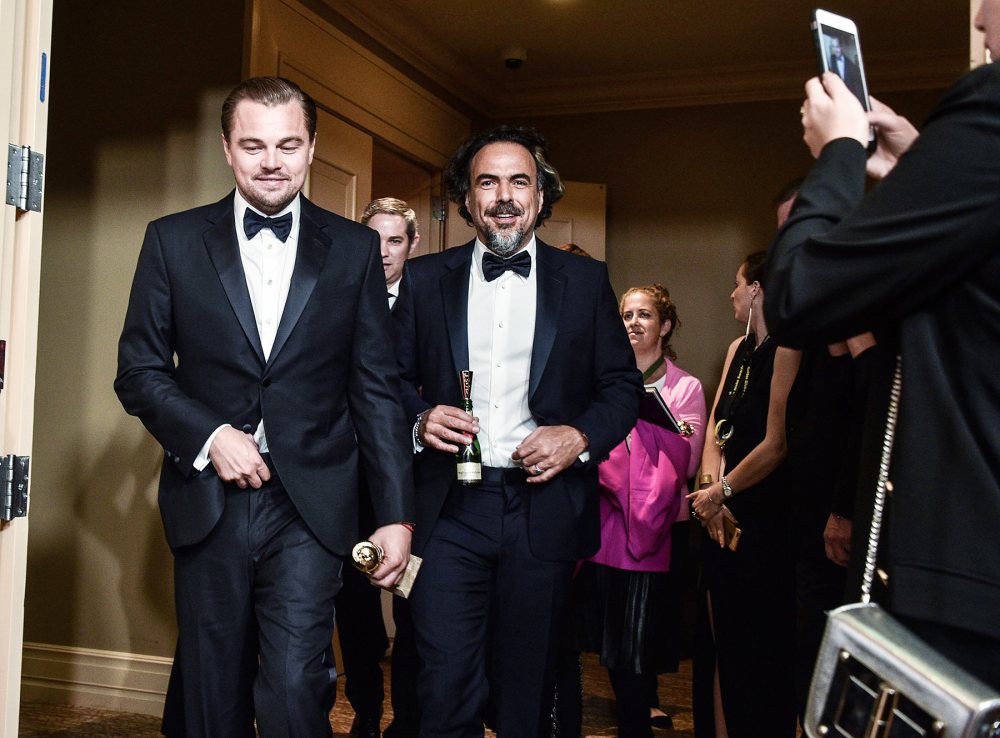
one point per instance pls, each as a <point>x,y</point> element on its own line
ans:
<point>14,489</point>
<point>24,177</point>
<point>439,208</point>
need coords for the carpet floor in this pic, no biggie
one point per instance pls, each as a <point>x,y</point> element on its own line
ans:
<point>52,721</point>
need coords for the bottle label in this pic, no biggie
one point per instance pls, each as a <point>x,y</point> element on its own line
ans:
<point>465,378</point>
<point>470,471</point>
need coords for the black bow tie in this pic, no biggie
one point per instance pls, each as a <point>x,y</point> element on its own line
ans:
<point>494,266</point>
<point>254,221</point>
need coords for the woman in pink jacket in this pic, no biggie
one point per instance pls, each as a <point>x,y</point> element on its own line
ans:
<point>623,592</point>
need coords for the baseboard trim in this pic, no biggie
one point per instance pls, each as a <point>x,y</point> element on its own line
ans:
<point>108,680</point>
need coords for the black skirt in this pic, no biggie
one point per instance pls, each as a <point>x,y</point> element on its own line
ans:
<point>630,618</point>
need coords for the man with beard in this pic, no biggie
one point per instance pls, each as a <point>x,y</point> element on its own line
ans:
<point>257,349</point>
<point>555,388</point>
<point>847,70</point>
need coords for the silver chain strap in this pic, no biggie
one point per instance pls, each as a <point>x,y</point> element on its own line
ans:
<point>883,481</point>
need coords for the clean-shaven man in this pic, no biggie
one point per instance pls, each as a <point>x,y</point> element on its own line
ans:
<point>363,640</point>
<point>256,350</point>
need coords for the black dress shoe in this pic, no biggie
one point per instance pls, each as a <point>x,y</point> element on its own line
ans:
<point>661,721</point>
<point>366,727</point>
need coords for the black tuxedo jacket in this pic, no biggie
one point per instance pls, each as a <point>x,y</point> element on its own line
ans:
<point>329,387</point>
<point>852,77</point>
<point>582,374</point>
<point>918,258</point>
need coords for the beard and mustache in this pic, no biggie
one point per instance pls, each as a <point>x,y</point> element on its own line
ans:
<point>506,240</point>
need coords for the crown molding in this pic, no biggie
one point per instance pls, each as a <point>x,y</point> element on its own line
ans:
<point>720,85</point>
<point>420,56</point>
<point>414,54</point>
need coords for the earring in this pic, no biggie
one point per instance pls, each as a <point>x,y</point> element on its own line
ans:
<point>749,320</point>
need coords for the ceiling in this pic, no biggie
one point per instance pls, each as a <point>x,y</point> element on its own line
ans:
<point>592,55</point>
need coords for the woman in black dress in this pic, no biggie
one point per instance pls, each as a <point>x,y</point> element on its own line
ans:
<point>744,660</point>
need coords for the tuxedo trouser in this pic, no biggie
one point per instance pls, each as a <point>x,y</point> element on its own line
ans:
<point>405,669</point>
<point>487,614</point>
<point>360,627</point>
<point>363,642</point>
<point>255,607</point>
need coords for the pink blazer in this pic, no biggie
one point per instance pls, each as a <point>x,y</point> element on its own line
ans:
<point>642,490</point>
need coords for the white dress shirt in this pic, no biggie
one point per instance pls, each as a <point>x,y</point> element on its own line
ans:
<point>267,265</point>
<point>501,336</point>
<point>393,292</point>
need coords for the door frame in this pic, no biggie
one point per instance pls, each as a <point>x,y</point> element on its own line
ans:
<point>25,34</point>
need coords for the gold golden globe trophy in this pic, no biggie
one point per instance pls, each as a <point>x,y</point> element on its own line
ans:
<point>367,556</point>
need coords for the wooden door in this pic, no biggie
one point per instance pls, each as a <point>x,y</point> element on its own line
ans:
<point>25,33</point>
<point>340,179</point>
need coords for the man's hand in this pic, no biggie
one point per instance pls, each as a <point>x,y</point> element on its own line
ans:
<point>831,111</point>
<point>895,135</point>
<point>394,540</point>
<point>548,450</point>
<point>236,459</point>
<point>443,427</point>
<point>837,536</point>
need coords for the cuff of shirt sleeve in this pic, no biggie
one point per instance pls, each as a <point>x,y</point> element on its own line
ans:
<point>201,460</point>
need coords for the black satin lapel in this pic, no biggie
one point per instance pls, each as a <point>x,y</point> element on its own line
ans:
<point>455,295</point>
<point>550,283</point>
<point>314,245</point>
<point>224,251</point>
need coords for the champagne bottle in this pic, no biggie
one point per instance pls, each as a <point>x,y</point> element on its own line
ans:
<point>469,459</point>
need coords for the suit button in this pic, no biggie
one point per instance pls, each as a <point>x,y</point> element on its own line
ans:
<point>247,428</point>
<point>266,382</point>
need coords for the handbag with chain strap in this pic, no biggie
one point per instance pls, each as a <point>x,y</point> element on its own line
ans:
<point>875,678</point>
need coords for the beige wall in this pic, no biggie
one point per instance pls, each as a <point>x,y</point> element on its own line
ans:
<point>689,195</point>
<point>133,134</point>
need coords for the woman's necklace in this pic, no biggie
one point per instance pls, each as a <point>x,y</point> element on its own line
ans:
<point>743,376</point>
<point>653,368</point>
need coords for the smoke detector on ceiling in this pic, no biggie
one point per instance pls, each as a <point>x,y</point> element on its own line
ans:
<point>514,56</point>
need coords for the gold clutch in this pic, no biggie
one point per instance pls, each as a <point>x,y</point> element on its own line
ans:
<point>731,531</point>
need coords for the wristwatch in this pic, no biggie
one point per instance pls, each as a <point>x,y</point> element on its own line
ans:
<point>727,490</point>
<point>417,445</point>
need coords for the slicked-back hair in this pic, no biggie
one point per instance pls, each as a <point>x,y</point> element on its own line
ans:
<point>269,91</point>
<point>392,206</point>
<point>458,173</point>
<point>753,268</point>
